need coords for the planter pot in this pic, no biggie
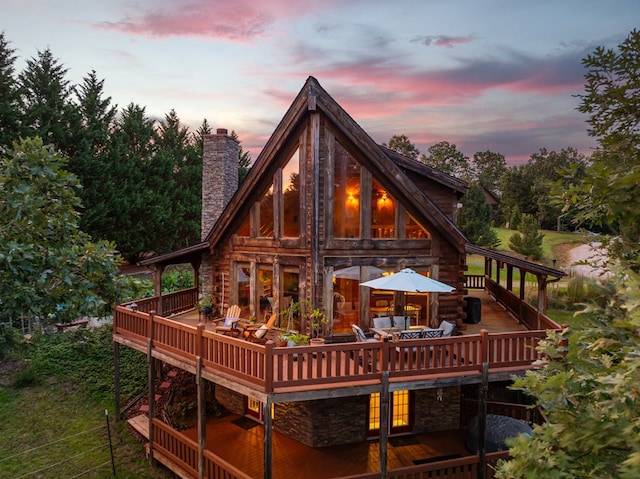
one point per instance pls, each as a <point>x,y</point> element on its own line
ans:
<point>316,341</point>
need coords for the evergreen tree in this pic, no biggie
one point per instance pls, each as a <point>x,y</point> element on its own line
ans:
<point>9,96</point>
<point>515,219</point>
<point>244,160</point>
<point>474,218</point>
<point>177,145</point>
<point>528,240</point>
<point>97,116</point>
<point>47,110</point>
<point>136,210</point>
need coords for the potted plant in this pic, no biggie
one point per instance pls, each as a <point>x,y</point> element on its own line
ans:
<point>297,339</point>
<point>282,340</point>
<point>309,318</point>
<point>205,304</point>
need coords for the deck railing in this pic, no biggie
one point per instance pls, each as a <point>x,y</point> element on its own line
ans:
<point>523,311</point>
<point>269,368</point>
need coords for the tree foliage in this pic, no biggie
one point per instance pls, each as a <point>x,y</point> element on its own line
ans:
<point>609,194</point>
<point>589,392</point>
<point>527,240</point>
<point>474,218</point>
<point>446,157</point>
<point>403,145</point>
<point>49,268</point>
<point>9,95</point>
<point>589,387</point>
<point>489,168</point>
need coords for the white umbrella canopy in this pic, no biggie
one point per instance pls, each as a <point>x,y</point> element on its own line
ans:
<point>409,281</point>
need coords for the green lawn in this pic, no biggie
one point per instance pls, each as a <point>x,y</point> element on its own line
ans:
<point>553,243</point>
<point>52,412</point>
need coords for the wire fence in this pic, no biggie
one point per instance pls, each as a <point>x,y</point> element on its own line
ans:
<point>85,454</point>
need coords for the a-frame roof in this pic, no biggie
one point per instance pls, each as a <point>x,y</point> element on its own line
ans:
<point>384,164</point>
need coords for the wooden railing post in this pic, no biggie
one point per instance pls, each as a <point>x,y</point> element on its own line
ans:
<point>268,366</point>
<point>199,346</point>
<point>150,326</point>
<point>484,346</point>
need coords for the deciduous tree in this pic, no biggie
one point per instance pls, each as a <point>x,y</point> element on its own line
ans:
<point>49,268</point>
<point>403,145</point>
<point>444,156</point>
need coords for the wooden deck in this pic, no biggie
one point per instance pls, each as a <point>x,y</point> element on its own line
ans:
<point>243,448</point>
<point>494,318</point>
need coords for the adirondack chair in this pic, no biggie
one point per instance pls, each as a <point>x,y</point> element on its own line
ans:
<point>257,334</point>
<point>229,324</point>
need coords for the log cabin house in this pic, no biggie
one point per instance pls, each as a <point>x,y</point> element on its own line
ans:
<point>323,209</point>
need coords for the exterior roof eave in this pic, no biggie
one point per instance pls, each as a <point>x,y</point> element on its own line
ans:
<point>523,264</point>
<point>171,257</point>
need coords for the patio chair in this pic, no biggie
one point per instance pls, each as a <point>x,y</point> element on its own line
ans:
<point>229,324</point>
<point>360,336</point>
<point>428,333</point>
<point>257,333</point>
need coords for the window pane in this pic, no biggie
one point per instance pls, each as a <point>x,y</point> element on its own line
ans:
<point>383,213</point>
<point>400,414</point>
<point>243,287</point>
<point>346,195</point>
<point>265,291</point>
<point>244,228</point>
<point>266,214</point>
<point>415,230</point>
<point>374,412</point>
<point>290,285</point>
<point>291,197</point>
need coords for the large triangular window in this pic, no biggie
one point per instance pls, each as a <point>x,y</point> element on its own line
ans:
<point>346,195</point>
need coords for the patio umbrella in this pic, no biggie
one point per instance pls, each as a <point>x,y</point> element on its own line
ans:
<point>408,281</point>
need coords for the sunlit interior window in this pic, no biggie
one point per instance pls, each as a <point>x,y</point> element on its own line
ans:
<point>383,213</point>
<point>374,411</point>
<point>346,195</point>
<point>400,411</point>
<point>290,216</point>
<point>243,287</point>
<point>266,214</point>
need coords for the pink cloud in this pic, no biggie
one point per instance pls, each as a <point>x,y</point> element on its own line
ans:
<point>441,40</point>
<point>237,21</point>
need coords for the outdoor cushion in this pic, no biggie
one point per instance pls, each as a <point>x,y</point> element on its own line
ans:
<point>447,328</point>
<point>262,330</point>
<point>401,322</point>
<point>382,322</point>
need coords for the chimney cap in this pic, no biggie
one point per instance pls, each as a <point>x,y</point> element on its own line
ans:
<point>222,131</point>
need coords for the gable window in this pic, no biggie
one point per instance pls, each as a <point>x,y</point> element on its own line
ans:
<point>346,195</point>
<point>290,217</point>
<point>266,214</point>
<point>415,230</point>
<point>383,213</point>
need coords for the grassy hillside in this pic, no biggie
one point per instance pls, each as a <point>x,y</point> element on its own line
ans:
<point>52,409</point>
<point>554,244</point>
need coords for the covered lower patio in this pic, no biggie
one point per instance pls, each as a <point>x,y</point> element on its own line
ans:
<point>240,441</point>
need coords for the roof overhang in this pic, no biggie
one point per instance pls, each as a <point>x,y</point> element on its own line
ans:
<point>522,264</point>
<point>184,255</point>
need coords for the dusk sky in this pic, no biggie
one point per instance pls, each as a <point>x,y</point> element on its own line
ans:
<point>497,75</point>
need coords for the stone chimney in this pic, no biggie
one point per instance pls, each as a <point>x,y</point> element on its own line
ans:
<point>219,176</point>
